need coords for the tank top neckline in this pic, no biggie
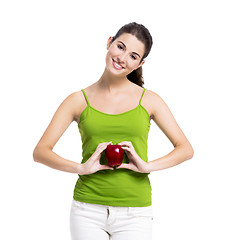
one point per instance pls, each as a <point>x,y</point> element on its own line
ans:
<point>118,114</point>
<point>114,114</point>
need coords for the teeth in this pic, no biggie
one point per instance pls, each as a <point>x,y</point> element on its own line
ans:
<point>117,65</point>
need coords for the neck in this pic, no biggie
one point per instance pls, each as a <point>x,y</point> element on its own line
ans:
<point>113,84</point>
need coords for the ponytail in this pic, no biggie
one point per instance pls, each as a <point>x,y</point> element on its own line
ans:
<point>136,77</point>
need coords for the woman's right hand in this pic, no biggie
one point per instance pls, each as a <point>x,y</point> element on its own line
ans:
<point>93,165</point>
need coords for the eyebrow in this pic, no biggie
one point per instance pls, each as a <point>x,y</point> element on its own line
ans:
<point>125,47</point>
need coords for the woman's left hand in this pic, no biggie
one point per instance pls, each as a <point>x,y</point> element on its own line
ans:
<point>135,162</point>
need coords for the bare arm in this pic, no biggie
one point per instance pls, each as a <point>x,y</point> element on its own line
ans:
<point>63,117</point>
<point>164,119</point>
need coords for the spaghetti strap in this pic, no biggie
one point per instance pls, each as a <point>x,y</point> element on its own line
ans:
<point>144,89</point>
<point>85,96</point>
<point>142,95</point>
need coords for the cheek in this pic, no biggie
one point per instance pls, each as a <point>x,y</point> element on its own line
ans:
<point>109,56</point>
<point>112,50</point>
<point>133,64</point>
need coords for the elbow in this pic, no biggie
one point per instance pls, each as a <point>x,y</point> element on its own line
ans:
<point>35,154</point>
<point>187,151</point>
<point>38,152</point>
<point>190,156</point>
<point>190,152</point>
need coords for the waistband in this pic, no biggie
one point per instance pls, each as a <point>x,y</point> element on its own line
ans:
<point>106,208</point>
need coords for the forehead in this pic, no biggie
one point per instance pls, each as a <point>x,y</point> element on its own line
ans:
<point>132,43</point>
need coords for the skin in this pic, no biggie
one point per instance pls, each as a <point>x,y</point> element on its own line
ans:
<point>111,90</point>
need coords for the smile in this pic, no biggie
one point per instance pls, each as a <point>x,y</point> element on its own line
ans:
<point>117,66</point>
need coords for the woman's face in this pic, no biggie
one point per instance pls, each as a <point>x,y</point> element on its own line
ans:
<point>124,54</point>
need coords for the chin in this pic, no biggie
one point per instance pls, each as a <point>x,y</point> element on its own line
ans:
<point>114,71</point>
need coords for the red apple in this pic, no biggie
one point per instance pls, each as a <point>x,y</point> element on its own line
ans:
<point>114,155</point>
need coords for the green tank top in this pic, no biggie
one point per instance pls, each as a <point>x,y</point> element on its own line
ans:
<point>119,187</point>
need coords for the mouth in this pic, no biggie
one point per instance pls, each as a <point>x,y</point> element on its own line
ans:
<point>117,65</point>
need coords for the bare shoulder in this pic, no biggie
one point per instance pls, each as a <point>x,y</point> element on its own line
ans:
<point>153,96</point>
<point>76,97</point>
<point>155,102</point>
<point>76,101</point>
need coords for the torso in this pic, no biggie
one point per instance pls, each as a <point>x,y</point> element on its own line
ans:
<point>122,102</point>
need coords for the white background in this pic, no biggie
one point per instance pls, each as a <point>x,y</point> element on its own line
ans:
<point>49,49</point>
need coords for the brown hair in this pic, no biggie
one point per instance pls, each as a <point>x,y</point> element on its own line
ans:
<point>143,35</point>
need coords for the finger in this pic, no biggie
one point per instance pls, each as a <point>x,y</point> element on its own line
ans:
<point>102,149</point>
<point>126,145</point>
<point>126,148</point>
<point>125,165</point>
<point>126,142</point>
<point>123,143</point>
<point>104,146</point>
<point>109,143</point>
<point>105,167</point>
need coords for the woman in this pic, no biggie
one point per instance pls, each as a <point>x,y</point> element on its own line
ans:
<point>116,109</point>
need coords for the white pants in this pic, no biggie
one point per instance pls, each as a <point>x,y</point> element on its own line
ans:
<point>93,221</point>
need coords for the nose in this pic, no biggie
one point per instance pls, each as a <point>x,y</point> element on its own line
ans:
<point>121,58</point>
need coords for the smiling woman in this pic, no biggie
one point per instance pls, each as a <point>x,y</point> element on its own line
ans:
<point>115,110</point>
<point>124,54</point>
<point>135,33</point>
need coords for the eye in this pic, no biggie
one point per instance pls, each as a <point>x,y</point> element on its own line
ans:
<point>133,57</point>
<point>119,46</point>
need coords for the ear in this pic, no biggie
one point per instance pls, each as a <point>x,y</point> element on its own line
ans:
<point>143,61</point>
<point>109,42</point>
